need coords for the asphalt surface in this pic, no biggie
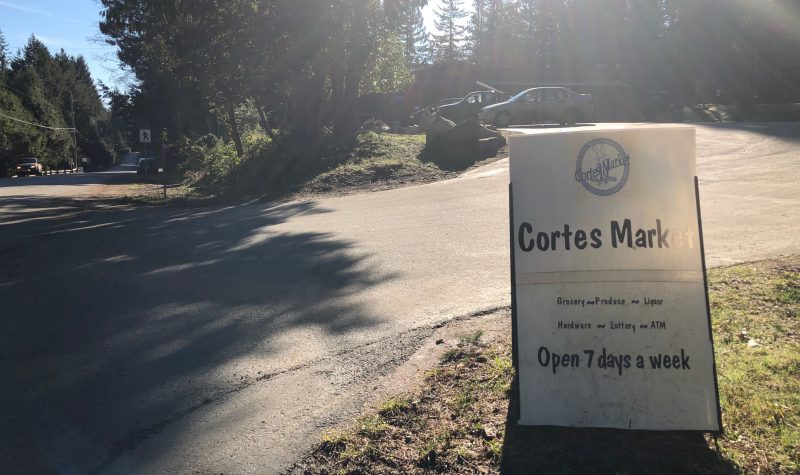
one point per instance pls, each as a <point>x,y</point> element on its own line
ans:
<point>152,340</point>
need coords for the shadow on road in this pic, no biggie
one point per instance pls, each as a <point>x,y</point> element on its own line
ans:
<point>72,179</point>
<point>604,451</point>
<point>118,322</point>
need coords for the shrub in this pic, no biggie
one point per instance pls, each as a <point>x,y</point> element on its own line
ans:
<point>218,162</point>
<point>256,145</point>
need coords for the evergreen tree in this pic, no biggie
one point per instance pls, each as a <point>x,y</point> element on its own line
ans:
<point>3,57</point>
<point>46,90</point>
<point>475,32</point>
<point>412,33</point>
<point>449,44</point>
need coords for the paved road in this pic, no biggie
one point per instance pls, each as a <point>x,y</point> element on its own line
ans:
<point>148,340</point>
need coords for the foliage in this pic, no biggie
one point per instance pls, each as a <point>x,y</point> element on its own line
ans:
<point>53,91</point>
<point>296,70</point>
<point>714,50</point>
<point>256,145</point>
<point>449,44</point>
<point>389,72</point>
<point>305,62</point>
<point>414,36</point>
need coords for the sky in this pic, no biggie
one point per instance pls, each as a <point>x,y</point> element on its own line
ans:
<point>68,24</point>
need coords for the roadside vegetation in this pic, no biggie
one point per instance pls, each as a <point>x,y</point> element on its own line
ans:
<point>39,92</point>
<point>461,419</point>
<point>377,161</point>
<point>208,169</point>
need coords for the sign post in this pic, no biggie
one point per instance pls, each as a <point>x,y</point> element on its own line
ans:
<point>611,319</point>
<point>145,138</point>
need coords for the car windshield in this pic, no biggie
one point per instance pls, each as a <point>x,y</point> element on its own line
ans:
<point>520,95</point>
<point>27,160</point>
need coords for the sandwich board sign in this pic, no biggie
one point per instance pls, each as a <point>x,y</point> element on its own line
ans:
<point>611,323</point>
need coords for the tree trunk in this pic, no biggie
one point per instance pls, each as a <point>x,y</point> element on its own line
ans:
<point>237,139</point>
<point>347,124</point>
<point>263,120</point>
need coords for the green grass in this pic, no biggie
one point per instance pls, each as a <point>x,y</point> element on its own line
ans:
<point>378,160</point>
<point>395,407</point>
<point>471,338</point>
<point>757,329</point>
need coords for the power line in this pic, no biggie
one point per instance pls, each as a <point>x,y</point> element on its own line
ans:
<point>36,125</point>
<point>15,90</point>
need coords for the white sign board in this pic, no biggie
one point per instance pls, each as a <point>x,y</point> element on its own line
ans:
<point>611,321</point>
<point>144,136</point>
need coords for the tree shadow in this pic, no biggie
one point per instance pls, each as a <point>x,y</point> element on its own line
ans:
<point>568,450</point>
<point>118,321</point>
<point>71,179</point>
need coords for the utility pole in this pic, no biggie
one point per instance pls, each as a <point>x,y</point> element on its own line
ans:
<point>74,138</point>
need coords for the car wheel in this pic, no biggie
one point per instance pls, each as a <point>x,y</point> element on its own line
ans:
<point>571,117</point>
<point>503,119</point>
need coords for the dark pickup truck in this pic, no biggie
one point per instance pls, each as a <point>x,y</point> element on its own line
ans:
<point>470,105</point>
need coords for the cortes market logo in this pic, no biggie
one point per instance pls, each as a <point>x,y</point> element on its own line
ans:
<point>602,167</point>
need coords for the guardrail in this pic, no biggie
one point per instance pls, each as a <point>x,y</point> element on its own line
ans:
<point>60,171</point>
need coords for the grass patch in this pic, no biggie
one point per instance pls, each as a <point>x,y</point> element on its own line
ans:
<point>395,407</point>
<point>471,338</point>
<point>463,418</point>
<point>378,161</point>
<point>756,323</point>
<point>150,190</point>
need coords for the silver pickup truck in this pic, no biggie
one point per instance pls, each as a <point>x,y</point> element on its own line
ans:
<point>540,104</point>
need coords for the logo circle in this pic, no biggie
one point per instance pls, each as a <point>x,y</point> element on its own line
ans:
<point>602,167</point>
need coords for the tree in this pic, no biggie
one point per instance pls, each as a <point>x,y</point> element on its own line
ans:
<point>388,71</point>
<point>448,45</point>
<point>414,36</point>
<point>3,57</point>
<point>46,90</point>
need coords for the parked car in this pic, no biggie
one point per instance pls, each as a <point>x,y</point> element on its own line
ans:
<point>146,166</point>
<point>64,166</point>
<point>540,104</point>
<point>470,105</point>
<point>414,119</point>
<point>29,166</point>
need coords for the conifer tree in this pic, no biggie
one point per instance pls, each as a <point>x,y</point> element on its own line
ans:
<point>449,44</point>
<point>3,57</point>
<point>414,36</point>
